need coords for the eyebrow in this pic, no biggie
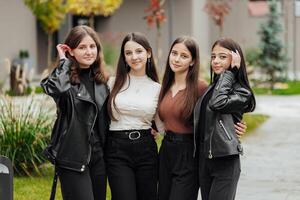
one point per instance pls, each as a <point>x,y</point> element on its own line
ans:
<point>220,54</point>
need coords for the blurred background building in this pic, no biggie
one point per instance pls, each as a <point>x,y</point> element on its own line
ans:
<point>21,31</point>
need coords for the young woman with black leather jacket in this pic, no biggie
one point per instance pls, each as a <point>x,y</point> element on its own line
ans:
<point>78,87</point>
<point>226,100</point>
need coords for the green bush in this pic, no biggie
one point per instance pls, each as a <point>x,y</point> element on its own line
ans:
<point>110,54</point>
<point>25,128</point>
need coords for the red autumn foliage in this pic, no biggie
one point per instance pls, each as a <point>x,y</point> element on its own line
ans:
<point>217,9</point>
<point>156,13</point>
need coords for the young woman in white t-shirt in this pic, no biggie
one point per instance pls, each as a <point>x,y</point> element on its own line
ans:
<point>131,151</point>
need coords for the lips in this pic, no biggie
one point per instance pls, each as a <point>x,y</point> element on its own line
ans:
<point>175,65</point>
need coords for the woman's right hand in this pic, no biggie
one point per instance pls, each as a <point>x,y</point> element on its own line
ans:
<point>62,49</point>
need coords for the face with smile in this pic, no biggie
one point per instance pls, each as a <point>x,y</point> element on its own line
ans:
<point>136,57</point>
<point>180,58</point>
<point>220,59</point>
<point>86,52</point>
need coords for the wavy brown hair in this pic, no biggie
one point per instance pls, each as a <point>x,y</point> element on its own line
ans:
<point>242,77</point>
<point>123,68</point>
<point>73,39</point>
<point>191,91</point>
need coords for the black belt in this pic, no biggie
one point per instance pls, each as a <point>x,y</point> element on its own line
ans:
<point>130,134</point>
<point>178,137</point>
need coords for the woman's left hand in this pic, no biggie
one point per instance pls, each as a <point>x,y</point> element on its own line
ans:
<point>154,133</point>
<point>235,59</point>
<point>240,129</point>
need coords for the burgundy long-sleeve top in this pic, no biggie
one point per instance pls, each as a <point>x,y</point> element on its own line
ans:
<point>171,108</point>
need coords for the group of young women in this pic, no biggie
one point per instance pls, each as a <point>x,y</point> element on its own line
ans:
<point>106,126</point>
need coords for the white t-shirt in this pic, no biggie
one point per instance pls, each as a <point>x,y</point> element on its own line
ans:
<point>137,103</point>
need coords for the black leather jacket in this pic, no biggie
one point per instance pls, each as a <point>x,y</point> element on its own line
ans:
<point>225,107</point>
<point>76,116</point>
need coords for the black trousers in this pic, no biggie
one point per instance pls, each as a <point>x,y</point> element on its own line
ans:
<point>178,172</point>
<point>132,168</point>
<point>219,177</point>
<point>87,185</point>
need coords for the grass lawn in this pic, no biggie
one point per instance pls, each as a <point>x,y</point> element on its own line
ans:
<point>291,88</point>
<point>38,188</point>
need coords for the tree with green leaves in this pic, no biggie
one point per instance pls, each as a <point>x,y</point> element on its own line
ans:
<point>50,14</point>
<point>92,8</point>
<point>272,58</point>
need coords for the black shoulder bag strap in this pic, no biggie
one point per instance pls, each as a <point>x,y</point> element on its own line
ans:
<point>54,184</point>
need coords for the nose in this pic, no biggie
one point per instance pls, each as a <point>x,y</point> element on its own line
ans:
<point>88,51</point>
<point>176,58</point>
<point>134,56</point>
<point>216,60</point>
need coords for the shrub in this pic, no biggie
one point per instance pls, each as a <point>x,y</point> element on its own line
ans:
<point>25,128</point>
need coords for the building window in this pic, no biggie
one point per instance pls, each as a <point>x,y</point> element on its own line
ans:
<point>260,8</point>
<point>297,8</point>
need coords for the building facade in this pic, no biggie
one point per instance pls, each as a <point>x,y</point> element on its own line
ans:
<point>21,31</point>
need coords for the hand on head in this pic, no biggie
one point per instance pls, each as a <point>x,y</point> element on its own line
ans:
<point>236,59</point>
<point>62,49</point>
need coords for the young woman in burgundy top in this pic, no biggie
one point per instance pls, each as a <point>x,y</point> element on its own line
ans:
<point>179,93</point>
<point>181,88</point>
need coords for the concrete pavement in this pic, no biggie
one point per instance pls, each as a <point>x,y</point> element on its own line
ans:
<point>271,164</point>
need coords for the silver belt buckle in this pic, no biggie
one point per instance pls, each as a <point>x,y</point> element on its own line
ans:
<point>131,135</point>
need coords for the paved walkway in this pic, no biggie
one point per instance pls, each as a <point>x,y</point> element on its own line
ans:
<point>271,163</point>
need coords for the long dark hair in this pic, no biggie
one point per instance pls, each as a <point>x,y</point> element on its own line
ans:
<point>73,39</point>
<point>123,68</point>
<point>242,77</point>
<point>191,91</point>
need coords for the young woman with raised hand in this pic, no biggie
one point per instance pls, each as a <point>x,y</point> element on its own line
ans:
<point>131,151</point>
<point>78,87</point>
<point>226,100</point>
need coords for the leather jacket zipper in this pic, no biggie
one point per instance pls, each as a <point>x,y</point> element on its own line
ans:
<point>200,104</point>
<point>90,148</point>
<point>95,118</point>
<point>223,127</point>
<point>210,156</point>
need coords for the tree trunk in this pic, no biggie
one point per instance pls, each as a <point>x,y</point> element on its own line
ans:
<point>272,81</point>
<point>49,52</point>
<point>92,21</point>
<point>158,51</point>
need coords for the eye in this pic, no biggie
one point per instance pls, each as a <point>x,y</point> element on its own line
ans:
<point>93,46</point>
<point>223,57</point>
<point>184,56</point>
<point>174,53</point>
<point>212,57</point>
<point>139,51</point>
<point>128,53</point>
<point>81,47</point>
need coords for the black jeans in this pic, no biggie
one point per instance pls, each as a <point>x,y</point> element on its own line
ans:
<point>178,172</point>
<point>132,168</point>
<point>219,177</point>
<point>87,185</point>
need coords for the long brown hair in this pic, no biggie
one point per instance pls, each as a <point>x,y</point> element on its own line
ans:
<point>123,69</point>
<point>242,77</point>
<point>73,39</point>
<point>191,91</point>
